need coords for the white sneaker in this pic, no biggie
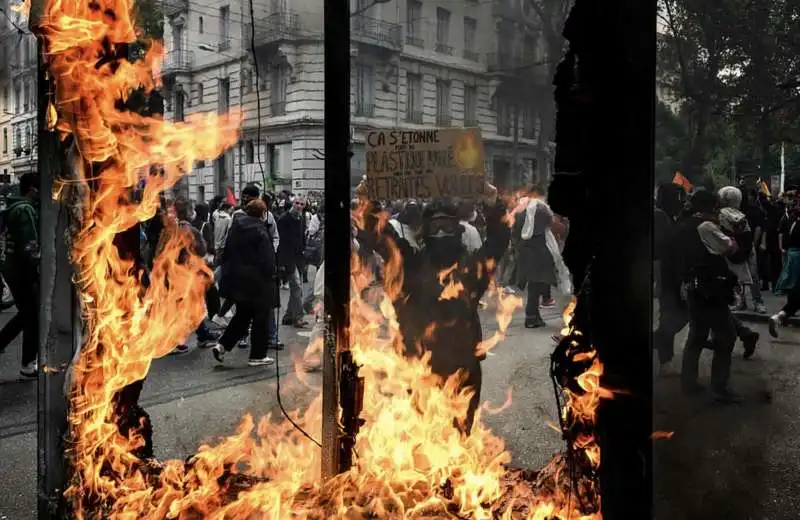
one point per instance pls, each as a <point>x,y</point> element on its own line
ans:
<point>29,370</point>
<point>261,362</point>
<point>219,353</point>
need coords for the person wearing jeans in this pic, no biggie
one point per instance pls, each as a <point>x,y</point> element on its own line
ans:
<point>291,251</point>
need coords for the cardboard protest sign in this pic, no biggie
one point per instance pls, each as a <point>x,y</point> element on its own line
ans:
<point>440,162</point>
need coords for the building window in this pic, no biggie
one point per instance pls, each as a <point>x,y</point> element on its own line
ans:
<point>199,164</point>
<point>6,101</point>
<point>280,87</point>
<point>470,105</point>
<point>30,138</point>
<point>249,152</point>
<point>414,23</point>
<point>5,140</point>
<point>443,103</point>
<point>503,117</point>
<point>179,103</point>
<point>177,39</point>
<point>414,98</point>
<point>470,31</point>
<point>200,28</point>
<point>443,31</point>
<point>528,123</point>
<point>365,90</point>
<point>247,81</point>
<point>200,93</point>
<point>18,96</point>
<point>201,193</point>
<point>224,101</point>
<point>529,50</point>
<point>224,28</point>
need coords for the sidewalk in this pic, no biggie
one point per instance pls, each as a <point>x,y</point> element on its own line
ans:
<point>773,304</point>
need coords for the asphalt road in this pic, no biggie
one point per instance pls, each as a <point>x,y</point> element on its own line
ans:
<point>727,462</point>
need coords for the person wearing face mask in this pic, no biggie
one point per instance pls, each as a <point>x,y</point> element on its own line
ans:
<point>291,260</point>
<point>444,324</point>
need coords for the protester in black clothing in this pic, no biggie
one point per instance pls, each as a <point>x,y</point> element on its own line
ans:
<point>709,286</point>
<point>249,280</point>
<point>419,306</point>
<point>673,314</point>
<point>789,281</point>
<point>20,268</point>
<point>183,212</point>
<point>774,263</point>
<point>291,259</point>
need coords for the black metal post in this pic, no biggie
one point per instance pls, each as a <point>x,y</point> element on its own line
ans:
<point>59,321</point>
<point>337,228</point>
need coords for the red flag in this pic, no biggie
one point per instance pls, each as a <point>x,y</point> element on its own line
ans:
<point>680,180</point>
<point>231,198</point>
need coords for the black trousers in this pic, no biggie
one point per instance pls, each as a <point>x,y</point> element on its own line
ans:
<point>672,318</point>
<point>536,290</point>
<point>715,318</point>
<point>254,318</point>
<point>26,296</point>
<point>10,332</point>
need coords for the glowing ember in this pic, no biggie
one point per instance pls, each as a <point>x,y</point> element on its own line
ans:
<point>411,462</point>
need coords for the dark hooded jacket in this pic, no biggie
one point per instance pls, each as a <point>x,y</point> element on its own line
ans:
<point>421,306</point>
<point>249,268</point>
<point>669,204</point>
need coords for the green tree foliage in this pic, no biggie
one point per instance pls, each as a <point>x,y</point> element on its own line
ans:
<point>149,18</point>
<point>732,66</point>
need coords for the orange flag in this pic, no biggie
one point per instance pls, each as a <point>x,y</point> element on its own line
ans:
<point>680,180</point>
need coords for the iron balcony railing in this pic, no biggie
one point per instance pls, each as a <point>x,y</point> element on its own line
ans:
<point>503,62</point>
<point>376,32</point>
<point>178,61</point>
<point>415,41</point>
<point>471,55</point>
<point>224,44</point>
<point>277,27</point>
<point>443,48</point>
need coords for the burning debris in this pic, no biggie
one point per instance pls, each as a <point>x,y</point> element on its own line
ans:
<point>409,460</point>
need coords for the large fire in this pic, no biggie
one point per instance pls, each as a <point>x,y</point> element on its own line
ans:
<point>410,461</point>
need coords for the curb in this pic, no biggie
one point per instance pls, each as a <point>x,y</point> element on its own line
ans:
<point>762,318</point>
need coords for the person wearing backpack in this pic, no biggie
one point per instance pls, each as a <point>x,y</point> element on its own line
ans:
<point>741,262</point>
<point>19,264</point>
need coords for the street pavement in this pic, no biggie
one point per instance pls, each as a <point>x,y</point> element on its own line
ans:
<point>731,462</point>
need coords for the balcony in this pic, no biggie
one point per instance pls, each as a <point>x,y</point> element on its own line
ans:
<point>503,62</point>
<point>173,7</point>
<point>372,31</point>
<point>224,44</point>
<point>414,41</point>
<point>471,56</point>
<point>414,116</point>
<point>177,62</point>
<point>444,120</point>
<point>279,27</point>
<point>364,110</point>
<point>443,48</point>
<point>277,109</point>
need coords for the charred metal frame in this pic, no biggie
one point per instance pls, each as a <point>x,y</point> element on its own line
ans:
<point>341,386</point>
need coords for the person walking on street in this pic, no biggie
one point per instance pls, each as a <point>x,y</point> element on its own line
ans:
<point>291,252</point>
<point>249,280</point>
<point>709,286</point>
<point>20,265</point>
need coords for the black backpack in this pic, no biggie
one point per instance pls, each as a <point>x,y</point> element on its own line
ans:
<point>745,242</point>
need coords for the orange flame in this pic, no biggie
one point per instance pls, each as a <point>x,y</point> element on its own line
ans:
<point>410,462</point>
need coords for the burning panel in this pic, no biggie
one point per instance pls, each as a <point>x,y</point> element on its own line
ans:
<point>410,462</point>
